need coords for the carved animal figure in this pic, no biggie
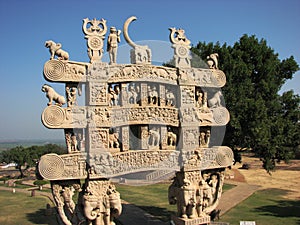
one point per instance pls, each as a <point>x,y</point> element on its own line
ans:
<point>212,61</point>
<point>52,95</point>
<point>113,141</point>
<point>184,197</point>
<point>55,50</point>
<point>171,138</point>
<point>154,138</point>
<point>215,101</point>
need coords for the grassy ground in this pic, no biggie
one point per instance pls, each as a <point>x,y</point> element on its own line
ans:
<point>152,198</point>
<point>266,207</point>
<point>21,209</point>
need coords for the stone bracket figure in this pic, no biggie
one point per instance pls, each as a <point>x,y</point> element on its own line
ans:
<point>52,95</point>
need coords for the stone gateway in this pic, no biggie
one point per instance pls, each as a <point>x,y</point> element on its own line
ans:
<point>137,117</point>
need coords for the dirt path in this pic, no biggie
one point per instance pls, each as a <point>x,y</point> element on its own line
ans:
<point>286,177</point>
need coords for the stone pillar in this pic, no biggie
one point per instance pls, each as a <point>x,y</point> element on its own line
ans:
<point>125,138</point>
<point>124,95</point>
<point>144,137</point>
<point>144,94</point>
<point>164,137</point>
<point>162,95</point>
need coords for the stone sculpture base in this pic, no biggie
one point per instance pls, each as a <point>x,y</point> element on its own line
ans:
<point>196,221</point>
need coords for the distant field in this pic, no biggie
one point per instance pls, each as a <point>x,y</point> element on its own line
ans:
<point>5,145</point>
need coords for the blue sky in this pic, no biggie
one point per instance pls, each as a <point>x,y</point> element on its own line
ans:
<point>26,25</point>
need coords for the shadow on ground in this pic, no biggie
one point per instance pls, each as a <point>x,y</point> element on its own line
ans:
<point>39,217</point>
<point>281,208</point>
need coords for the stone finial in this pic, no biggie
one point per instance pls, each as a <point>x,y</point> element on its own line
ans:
<point>181,46</point>
<point>212,61</point>
<point>140,54</point>
<point>55,50</point>
<point>177,36</point>
<point>95,31</point>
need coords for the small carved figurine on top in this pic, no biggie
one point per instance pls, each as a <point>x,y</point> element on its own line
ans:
<point>177,36</point>
<point>112,44</point>
<point>52,95</point>
<point>55,50</point>
<point>212,61</point>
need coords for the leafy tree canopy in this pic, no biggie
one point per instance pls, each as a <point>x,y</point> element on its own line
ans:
<point>261,119</point>
<point>27,157</point>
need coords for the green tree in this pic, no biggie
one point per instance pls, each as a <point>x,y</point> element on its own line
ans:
<point>27,157</point>
<point>261,119</point>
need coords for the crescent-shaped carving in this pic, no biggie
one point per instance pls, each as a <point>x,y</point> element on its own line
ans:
<point>125,31</point>
<point>172,33</point>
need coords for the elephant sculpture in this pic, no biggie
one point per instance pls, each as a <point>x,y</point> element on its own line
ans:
<point>185,198</point>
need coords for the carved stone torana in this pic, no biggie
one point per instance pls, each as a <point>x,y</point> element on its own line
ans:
<point>137,118</point>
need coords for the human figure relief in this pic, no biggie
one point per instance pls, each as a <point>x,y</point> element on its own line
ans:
<point>112,44</point>
<point>113,95</point>
<point>152,96</point>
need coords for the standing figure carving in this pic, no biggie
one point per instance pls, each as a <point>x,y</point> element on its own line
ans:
<point>112,44</point>
<point>113,95</point>
<point>152,95</point>
<point>170,97</point>
<point>133,94</point>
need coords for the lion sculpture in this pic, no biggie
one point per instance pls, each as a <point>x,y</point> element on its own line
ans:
<point>52,95</point>
<point>55,50</point>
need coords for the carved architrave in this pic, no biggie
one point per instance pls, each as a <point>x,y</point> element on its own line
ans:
<point>145,115</point>
<point>65,71</point>
<point>149,73</point>
<point>202,77</point>
<point>57,117</point>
